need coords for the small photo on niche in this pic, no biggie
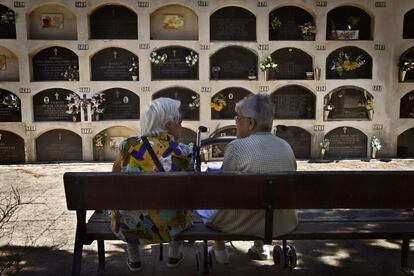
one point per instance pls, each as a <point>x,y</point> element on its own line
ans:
<point>52,20</point>
<point>173,22</point>
<point>2,62</point>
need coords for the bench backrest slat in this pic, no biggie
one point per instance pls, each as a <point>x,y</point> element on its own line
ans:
<point>187,190</point>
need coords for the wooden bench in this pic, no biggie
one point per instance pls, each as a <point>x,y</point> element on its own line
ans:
<point>354,190</point>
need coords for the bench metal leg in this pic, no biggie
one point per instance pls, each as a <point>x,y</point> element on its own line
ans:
<point>205,257</point>
<point>77,255</point>
<point>101,256</point>
<point>404,256</point>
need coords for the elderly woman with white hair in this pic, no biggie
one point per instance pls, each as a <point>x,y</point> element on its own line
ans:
<point>161,127</point>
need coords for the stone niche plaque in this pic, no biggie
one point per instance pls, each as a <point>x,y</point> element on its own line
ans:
<point>113,22</point>
<point>407,105</point>
<point>405,144</point>
<point>409,54</point>
<point>112,64</point>
<point>294,102</point>
<point>353,55</point>
<point>121,104</point>
<point>292,63</point>
<point>233,23</point>
<point>290,18</point>
<point>50,105</point>
<point>175,67</point>
<point>10,107</point>
<point>233,63</point>
<point>190,101</point>
<point>231,96</point>
<point>11,148</point>
<point>59,145</point>
<point>188,137</point>
<point>51,64</point>
<point>348,103</point>
<point>408,29</point>
<point>298,138</point>
<point>347,142</point>
<point>7,25</point>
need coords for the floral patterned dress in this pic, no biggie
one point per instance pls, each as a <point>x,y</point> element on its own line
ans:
<point>151,226</point>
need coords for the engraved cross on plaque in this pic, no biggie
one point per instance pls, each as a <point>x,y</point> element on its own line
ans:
<point>115,54</point>
<point>55,51</point>
<point>60,136</point>
<point>57,96</point>
<point>174,52</point>
<point>175,95</point>
<point>117,93</point>
<point>344,128</point>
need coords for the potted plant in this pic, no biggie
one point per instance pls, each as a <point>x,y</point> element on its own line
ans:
<point>71,73</point>
<point>73,105</point>
<point>324,147</point>
<point>275,23</point>
<point>308,31</point>
<point>157,59</point>
<point>218,102</point>
<point>375,146</point>
<point>195,102</point>
<point>370,108</point>
<point>11,101</point>
<point>346,64</point>
<point>267,65</point>
<point>98,104</point>
<point>191,59</point>
<point>326,109</point>
<point>349,33</point>
<point>133,70</point>
<point>99,142</point>
<point>405,64</point>
<point>8,17</point>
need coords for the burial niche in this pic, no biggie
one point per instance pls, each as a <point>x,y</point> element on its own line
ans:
<point>291,23</point>
<point>59,145</point>
<point>11,148</point>
<point>113,22</point>
<point>349,63</point>
<point>405,63</point>
<point>52,105</point>
<point>121,104</point>
<point>180,64</point>
<point>405,144</point>
<point>52,22</point>
<point>348,103</point>
<point>106,142</point>
<point>216,151</point>
<point>233,63</point>
<point>348,23</point>
<point>223,103</point>
<point>298,138</point>
<point>174,22</point>
<point>10,107</point>
<point>294,102</point>
<point>188,137</point>
<point>55,64</point>
<point>408,28</point>
<point>7,23</point>
<point>407,106</point>
<point>114,64</point>
<point>292,63</point>
<point>190,101</point>
<point>232,24</point>
<point>347,142</point>
<point>9,65</point>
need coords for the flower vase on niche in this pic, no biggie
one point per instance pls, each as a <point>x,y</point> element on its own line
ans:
<point>370,114</point>
<point>373,153</point>
<point>323,151</point>
<point>134,78</point>
<point>266,75</point>
<point>97,116</point>
<point>74,118</point>
<point>325,115</point>
<point>317,73</point>
<point>402,75</point>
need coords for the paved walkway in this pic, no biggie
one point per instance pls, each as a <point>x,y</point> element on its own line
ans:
<point>43,232</point>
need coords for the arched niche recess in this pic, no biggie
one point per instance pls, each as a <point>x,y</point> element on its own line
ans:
<point>7,23</point>
<point>106,142</point>
<point>232,24</point>
<point>51,105</point>
<point>59,145</point>
<point>52,22</point>
<point>216,151</point>
<point>349,63</point>
<point>294,102</point>
<point>407,105</point>
<point>9,65</point>
<point>233,63</point>
<point>121,104</point>
<point>405,144</point>
<point>348,103</point>
<point>11,148</point>
<point>174,22</point>
<point>409,55</point>
<point>346,142</point>
<point>292,63</point>
<point>224,102</point>
<point>55,64</point>
<point>113,64</point>
<point>10,107</point>
<point>113,22</point>
<point>348,23</point>
<point>190,101</point>
<point>175,66</point>
<point>298,138</point>
<point>188,136</point>
<point>408,28</point>
<point>284,23</point>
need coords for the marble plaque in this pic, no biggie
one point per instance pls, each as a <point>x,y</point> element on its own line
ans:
<point>50,105</point>
<point>175,67</point>
<point>11,148</point>
<point>59,145</point>
<point>294,102</point>
<point>10,107</point>
<point>190,101</point>
<point>298,138</point>
<point>233,23</point>
<point>231,96</point>
<point>347,142</point>
<point>121,104</point>
<point>112,64</point>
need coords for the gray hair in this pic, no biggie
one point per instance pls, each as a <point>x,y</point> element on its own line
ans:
<point>157,114</point>
<point>260,108</point>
